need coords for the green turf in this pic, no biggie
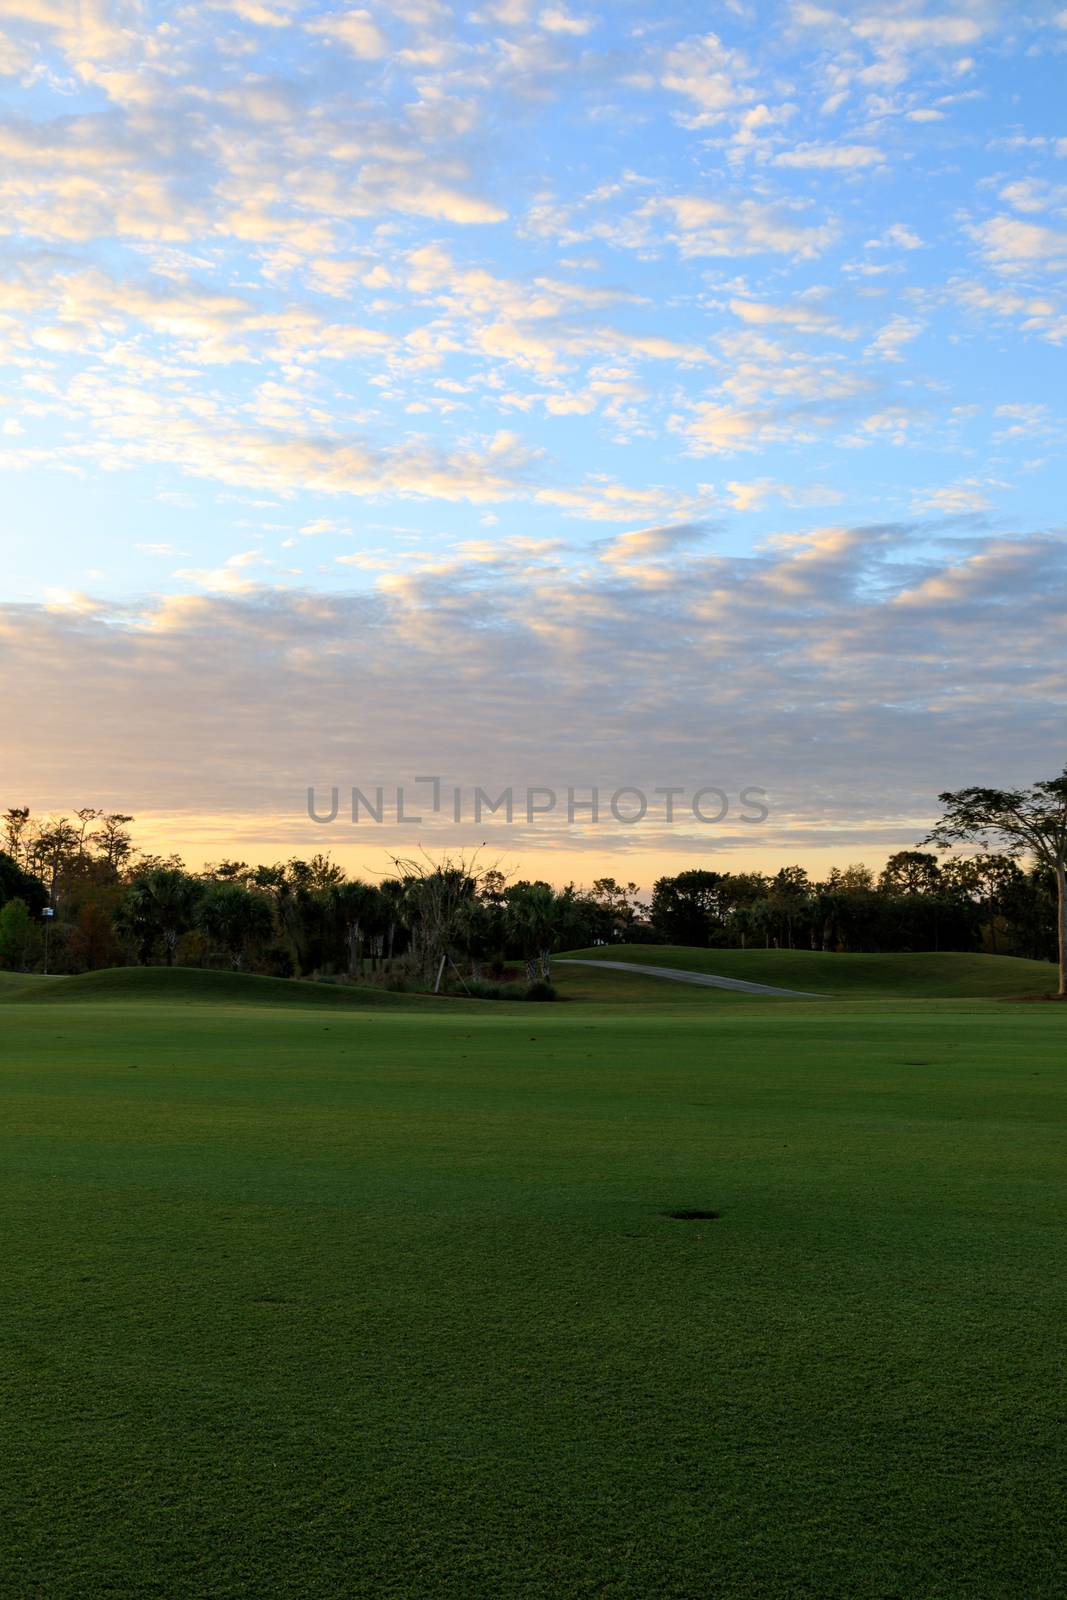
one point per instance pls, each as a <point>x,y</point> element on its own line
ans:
<point>928,975</point>
<point>197,986</point>
<point>381,1302</point>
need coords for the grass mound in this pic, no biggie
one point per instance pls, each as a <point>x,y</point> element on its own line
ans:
<point>928,975</point>
<point>195,986</point>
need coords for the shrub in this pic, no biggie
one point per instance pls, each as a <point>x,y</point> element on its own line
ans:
<point>540,991</point>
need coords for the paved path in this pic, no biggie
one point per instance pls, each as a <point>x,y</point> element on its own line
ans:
<point>706,980</point>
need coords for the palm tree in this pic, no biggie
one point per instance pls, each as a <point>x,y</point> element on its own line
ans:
<point>358,909</point>
<point>160,904</point>
<point>236,917</point>
<point>536,915</point>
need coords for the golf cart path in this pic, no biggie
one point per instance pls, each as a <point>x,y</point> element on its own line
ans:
<point>706,980</point>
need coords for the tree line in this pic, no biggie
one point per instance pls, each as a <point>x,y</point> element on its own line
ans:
<point>453,924</point>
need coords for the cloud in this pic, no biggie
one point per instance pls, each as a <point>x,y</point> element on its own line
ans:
<point>644,552</point>
<point>801,314</point>
<point>707,227</point>
<point>1041,314</point>
<point>831,157</point>
<point>1010,244</point>
<point>557,19</point>
<point>755,495</point>
<point>708,73</point>
<point>890,340</point>
<point>355,29</point>
<point>898,234</point>
<point>954,499</point>
<point>226,579</point>
<point>890,30</point>
<point>895,662</point>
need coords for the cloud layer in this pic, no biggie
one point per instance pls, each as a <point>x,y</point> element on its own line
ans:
<point>498,369</point>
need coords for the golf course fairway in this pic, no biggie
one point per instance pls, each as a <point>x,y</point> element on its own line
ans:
<point>307,1296</point>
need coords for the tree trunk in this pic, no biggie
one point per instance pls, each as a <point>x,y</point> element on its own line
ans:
<point>1061,921</point>
<point>546,965</point>
<point>531,969</point>
<point>440,975</point>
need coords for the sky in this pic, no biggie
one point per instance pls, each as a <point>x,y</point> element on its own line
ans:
<point>531,396</point>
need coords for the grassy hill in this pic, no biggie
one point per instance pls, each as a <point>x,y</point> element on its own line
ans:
<point>930,975</point>
<point>196,986</point>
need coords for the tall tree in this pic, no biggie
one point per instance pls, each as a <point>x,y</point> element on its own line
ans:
<point>536,916</point>
<point>359,912</point>
<point>16,821</point>
<point>113,841</point>
<point>20,937</point>
<point>685,908</point>
<point>1028,821</point>
<point>236,917</point>
<point>911,872</point>
<point>160,904</point>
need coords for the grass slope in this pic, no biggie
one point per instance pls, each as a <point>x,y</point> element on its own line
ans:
<point>383,1303</point>
<point>930,975</point>
<point>197,986</point>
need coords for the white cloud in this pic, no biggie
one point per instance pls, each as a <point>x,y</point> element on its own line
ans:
<point>890,340</point>
<point>355,29</point>
<point>832,157</point>
<point>708,73</point>
<point>898,234</point>
<point>954,499</point>
<point>713,227</point>
<point>1009,243</point>
<point>557,19</point>
<point>802,314</point>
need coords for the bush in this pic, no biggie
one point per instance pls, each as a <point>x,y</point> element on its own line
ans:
<point>480,989</point>
<point>540,991</point>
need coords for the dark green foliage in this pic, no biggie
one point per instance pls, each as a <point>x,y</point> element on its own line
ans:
<point>540,991</point>
<point>15,884</point>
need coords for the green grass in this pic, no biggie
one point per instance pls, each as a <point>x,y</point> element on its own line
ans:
<point>334,1300</point>
<point>197,986</point>
<point>930,975</point>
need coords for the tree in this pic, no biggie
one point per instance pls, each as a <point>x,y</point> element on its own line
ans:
<point>989,880</point>
<point>686,908</point>
<point>911,872</point>
<point>113,842</point>
<point>435,901</point>
<point>1028,821</point>
<point>536,917</point>
<point>17,884</point>
<point>51,851</point>
<point>159,904</point>
<point>236,917</point>
<point>359,911</point>
<point>16,822</point>
<point>619,902</point>
<point>20,937</point>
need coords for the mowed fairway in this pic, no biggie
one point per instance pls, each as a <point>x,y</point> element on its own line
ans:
<point>334,1300</point>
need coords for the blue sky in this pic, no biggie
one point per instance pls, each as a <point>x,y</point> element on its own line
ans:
<point>539,334</point>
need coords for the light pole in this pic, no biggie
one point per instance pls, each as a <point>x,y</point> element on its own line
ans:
<point>47,914</point>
